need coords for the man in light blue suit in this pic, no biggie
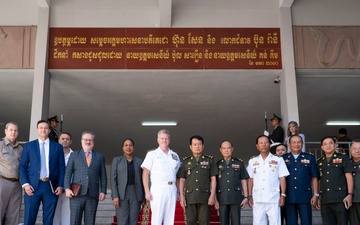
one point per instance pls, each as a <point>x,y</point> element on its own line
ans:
<point>42,169</point>
<point>85,167</point>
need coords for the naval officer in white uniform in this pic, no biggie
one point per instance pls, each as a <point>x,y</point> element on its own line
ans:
<point>160,167</point>
<point>267,180</point>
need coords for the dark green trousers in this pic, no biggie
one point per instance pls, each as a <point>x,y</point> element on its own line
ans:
<point>334,214</point>
<point>197,212</point>
<point>354,213</point>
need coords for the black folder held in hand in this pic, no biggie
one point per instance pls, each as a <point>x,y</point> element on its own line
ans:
<point>53,185</point>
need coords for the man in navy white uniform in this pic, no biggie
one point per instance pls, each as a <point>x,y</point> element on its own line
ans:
<point>160,167</point>
<point>303,175</point>
<point>267,180</point>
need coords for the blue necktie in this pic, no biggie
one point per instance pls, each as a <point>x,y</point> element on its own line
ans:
<point>43,160</point>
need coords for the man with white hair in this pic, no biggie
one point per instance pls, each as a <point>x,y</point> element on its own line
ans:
<point>160,167</point>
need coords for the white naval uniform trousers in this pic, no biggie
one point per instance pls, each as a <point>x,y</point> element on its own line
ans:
<point>163,169</point>
<point>266,188</point>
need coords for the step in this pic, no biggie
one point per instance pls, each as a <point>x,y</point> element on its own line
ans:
<point>106,213</point>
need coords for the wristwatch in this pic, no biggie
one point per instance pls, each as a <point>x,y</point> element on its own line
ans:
<point>316,194</point>
<point>283,195</point>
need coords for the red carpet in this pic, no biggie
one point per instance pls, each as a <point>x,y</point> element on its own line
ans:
<point>145,216</point>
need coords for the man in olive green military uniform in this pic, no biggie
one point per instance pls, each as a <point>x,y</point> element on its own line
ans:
<point>197,184</point>
<point>231,188</point>
<point>336,184</point>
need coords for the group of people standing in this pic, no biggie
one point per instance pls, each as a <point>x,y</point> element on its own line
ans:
<point>329,183</point>
<point>295,181</point>
<point>47,171</point>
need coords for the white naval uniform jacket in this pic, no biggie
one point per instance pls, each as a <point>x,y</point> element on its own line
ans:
<point>266,174</point>
<point>163,167</point>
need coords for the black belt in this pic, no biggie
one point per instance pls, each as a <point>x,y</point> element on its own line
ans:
<point>9,179</point>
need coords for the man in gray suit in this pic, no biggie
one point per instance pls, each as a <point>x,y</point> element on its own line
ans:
<point>85,167</point>
<point>127,190</point>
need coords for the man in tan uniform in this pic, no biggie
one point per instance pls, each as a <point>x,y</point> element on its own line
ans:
<point>10,187</point>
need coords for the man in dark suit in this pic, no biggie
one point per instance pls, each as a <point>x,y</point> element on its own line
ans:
<point>302,185</point>
<point>42,167</point>
<point>127,190</point>
<point>85,167</point>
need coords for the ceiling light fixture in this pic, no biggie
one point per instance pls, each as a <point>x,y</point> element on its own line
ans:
<point>169,123</point>
<point>343,123</point>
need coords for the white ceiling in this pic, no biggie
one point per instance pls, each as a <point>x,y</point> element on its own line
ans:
<point>215,104</point>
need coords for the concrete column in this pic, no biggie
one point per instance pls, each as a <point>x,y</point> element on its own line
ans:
<point>165,13</point>
<point>288,90</point>
<point>41,86</point>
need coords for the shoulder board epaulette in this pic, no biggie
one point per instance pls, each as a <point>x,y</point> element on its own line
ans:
<point>186,157</point>
<point>321,158</point>
<point>218,160</point>
<point>309,153</point>
<point>174,152</point>
<point>209,156</point>
<point>240,159</point>
<point>342,153</point>
<point>253,156</point>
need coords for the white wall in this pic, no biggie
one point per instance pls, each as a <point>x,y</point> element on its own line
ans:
<point>145,13</point>
<point>18,12</point>
<point>185,13</point>
<point>229,13</point>
<point>105,13</point>
<point>326,13</point>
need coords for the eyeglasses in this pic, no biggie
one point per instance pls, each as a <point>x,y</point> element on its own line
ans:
<point>86,140</point>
